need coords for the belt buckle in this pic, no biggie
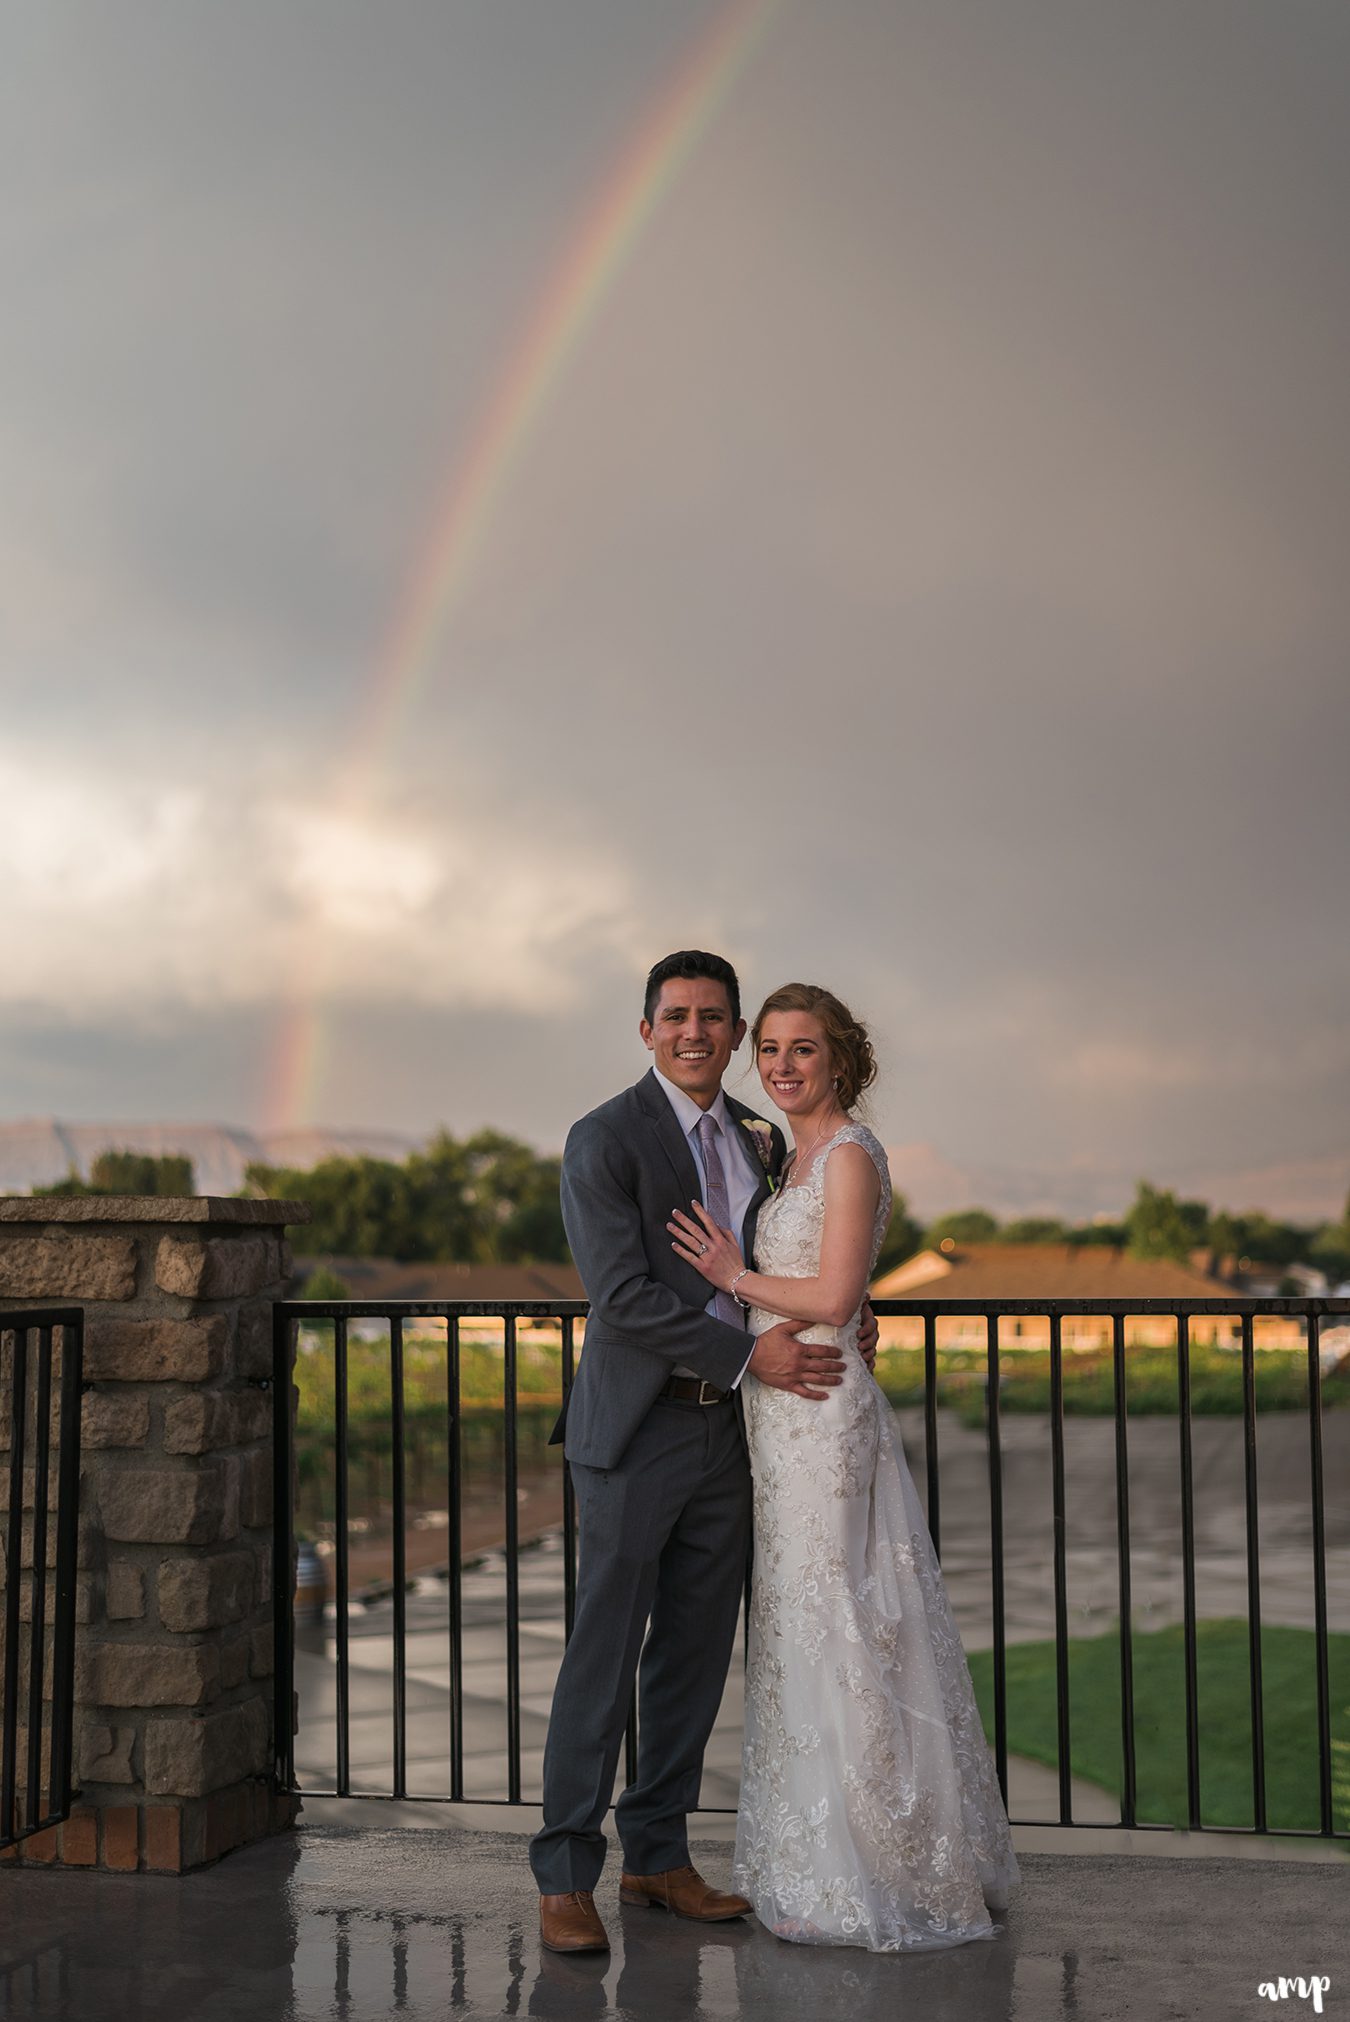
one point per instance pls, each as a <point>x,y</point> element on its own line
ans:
<point>717,1395</point>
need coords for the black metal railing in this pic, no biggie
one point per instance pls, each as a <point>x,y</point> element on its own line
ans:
<point>1310,1315</point>
<point>40,1364</point>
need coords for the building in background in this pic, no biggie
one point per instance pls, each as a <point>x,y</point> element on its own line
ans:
<point>979,1271</point>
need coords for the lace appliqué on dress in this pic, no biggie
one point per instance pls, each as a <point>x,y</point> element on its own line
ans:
<point>870,1812</point>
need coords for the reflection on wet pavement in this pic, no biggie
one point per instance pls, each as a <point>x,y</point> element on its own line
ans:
<point>343,1925</point>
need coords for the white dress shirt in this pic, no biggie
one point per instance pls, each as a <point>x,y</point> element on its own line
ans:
<point>741,1177</point>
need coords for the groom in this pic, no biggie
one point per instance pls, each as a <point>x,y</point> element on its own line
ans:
<point>657,1454</point>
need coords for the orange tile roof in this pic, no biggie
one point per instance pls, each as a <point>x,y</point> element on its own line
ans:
<point>1044,1271</point>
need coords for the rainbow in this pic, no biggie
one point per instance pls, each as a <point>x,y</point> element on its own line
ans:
<point>610,229</point>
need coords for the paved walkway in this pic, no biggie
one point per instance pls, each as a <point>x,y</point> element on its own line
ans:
<point>363,1926</point>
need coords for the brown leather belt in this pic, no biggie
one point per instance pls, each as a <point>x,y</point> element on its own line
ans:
<point>693,1390</point>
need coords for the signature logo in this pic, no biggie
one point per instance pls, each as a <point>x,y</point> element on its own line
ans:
<point>1313,1987</point>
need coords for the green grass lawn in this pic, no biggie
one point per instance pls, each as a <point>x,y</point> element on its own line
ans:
<point>1290,1701</point>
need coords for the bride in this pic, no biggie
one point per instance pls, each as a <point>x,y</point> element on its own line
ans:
<point>870,1813</point>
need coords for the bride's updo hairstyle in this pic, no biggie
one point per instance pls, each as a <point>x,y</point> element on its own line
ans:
<point>850,1048</point>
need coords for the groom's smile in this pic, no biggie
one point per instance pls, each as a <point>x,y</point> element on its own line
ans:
<point>693,1035</point>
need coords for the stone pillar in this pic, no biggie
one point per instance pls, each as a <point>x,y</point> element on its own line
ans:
<point>173,1683</point>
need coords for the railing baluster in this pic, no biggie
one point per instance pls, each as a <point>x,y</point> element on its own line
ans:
<point>455,1487</point>
<point>344,1679</point>
<point>283,1550</point>
<point>1188,1572</point>
<point>1062,1726</point>
<point>1253,1576</point>
<point>512,1569</point>
<point>67,1557</point>
<point>43,1696</point>
<point>400,1541</point>
<point>1128,1768</point>
<point>996,1554</point>
<point>1319,1549</point>
<point>37,1629</point>
<point>930,1431</point>
<point>9,1727</point>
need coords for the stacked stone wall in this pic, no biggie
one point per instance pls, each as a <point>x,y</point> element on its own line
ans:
<point>173,1742</point>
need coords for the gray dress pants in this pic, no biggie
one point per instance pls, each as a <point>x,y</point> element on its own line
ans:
<point>665,1537</point>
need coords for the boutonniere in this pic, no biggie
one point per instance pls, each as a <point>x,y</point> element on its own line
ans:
<point>761,1137</point>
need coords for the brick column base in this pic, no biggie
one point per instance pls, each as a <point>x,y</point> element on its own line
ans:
<point>173,1741</point>
<point>163,1839</point>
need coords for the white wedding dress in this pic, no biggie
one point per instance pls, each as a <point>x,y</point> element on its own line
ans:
<point>870,1812</point>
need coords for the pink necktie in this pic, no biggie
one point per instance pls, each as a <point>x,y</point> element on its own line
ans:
<point>725,1307</point>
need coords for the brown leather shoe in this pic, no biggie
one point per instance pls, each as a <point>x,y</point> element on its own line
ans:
<point>570,1923</point>
<point>684,1892</point>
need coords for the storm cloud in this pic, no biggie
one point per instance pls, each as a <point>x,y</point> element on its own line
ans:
<point>926,576</point>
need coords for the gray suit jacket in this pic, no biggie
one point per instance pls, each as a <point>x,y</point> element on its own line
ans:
<point>625,1167</point>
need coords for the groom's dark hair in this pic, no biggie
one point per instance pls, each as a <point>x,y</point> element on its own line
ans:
<point>692,962</point>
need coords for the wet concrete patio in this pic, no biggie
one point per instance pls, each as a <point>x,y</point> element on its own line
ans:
<point>339,1922</point>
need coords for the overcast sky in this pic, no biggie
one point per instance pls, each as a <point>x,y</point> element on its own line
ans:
<point>927,576</point>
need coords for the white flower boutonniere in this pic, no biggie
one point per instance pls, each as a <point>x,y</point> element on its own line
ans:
<point>761,1137</point>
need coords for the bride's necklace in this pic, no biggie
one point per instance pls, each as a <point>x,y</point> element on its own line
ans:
<point>801,1160</point>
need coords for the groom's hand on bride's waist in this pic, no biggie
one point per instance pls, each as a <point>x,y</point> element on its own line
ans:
<point>868,1332</point>
<point>806,1368</point>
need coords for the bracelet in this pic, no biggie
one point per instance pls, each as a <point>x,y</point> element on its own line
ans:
<point>734,1283</point>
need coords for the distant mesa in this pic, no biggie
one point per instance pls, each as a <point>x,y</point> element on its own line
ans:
<point>39,1151</point>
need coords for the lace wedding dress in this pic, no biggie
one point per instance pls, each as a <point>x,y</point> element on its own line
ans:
<point>870,1812</point>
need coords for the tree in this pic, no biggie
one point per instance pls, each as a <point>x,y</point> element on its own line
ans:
<point>1260,1237</point>
<point>324,1283</point>
<point>1159,1225</point>
<point>1228,1234</point>
<point>1330,1249</point>
<point>903,1237</point>
<point>514,1196</point>
<point>1033,1229</point>
<point>967,1225</point>
<point>1110,1234</point>
<point>128,1172</point>
<point>359,1206</point>
<point>486,1199</point>
<point>132,1172</point>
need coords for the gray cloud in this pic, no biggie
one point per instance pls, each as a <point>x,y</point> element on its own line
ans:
<point>928,573</point>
